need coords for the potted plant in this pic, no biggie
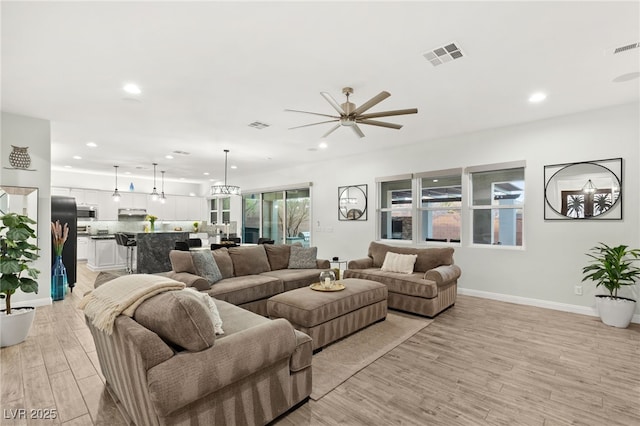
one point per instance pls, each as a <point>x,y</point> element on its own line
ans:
<point>16,254</point>
<point>612,268</point>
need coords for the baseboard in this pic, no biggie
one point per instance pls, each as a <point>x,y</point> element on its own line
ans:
<point>43,301</point>
<point>565,307</point>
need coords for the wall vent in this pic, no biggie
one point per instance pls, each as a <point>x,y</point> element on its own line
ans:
<point>626,48</point>
<point>440,55</point>
<point>258,125</point>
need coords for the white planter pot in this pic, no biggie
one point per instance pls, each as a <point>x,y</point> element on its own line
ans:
<point>14,328</point>
<point>616,312</point>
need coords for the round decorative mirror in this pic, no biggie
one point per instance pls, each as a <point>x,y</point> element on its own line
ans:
<point>352,202</point>
<point>582,190</point>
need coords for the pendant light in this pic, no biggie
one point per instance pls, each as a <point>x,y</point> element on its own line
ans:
<point>116,195</point>
<point>218,191</point>
<point>163,199</point>
<point>154,194</point>
<point>589,187</point>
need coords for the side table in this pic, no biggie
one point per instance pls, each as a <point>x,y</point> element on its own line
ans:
<point>337,269</point>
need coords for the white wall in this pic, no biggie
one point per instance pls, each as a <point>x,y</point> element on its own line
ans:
<point>545,271</point>
<point>34,133</point>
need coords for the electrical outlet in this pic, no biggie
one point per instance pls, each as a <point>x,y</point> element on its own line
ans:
<point>577,290</point>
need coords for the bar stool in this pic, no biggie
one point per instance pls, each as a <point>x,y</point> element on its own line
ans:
<point>129,243</point>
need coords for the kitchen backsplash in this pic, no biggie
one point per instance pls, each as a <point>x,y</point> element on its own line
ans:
<point>114,226</point>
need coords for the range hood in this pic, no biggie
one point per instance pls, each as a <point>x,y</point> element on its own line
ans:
<point>132,214</point>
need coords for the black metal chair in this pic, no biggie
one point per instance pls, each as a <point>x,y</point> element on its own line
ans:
<point>129,242</point>
<point>263,240</point>
<point>182,245</point>
<point>195,242</point>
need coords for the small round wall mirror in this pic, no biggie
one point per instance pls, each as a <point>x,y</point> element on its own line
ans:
<point>586,190</point>
<point>352,202</point>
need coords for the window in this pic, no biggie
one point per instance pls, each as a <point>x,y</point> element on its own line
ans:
<point>497,204</point>
<point>396,208</point>
<point>440,205</point>
<point>282,216</point>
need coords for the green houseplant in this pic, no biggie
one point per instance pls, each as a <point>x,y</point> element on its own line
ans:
<point>16,255</point>
<point>612,268</point>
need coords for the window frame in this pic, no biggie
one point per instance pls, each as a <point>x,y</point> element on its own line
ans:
<point>439,174</point>
<point>473,207</point>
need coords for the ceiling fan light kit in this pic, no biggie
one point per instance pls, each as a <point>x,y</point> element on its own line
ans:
<point>350,116</point>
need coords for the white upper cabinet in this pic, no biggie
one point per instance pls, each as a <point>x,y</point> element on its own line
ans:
<point>107,207</point>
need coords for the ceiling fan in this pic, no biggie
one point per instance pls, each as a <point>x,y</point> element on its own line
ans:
<point>350,116</point>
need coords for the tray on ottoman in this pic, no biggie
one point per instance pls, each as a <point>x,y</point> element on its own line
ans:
<point>329,316</point>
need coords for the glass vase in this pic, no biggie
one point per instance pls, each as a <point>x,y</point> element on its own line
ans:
<point>58,279</point>
<point>152,226</point>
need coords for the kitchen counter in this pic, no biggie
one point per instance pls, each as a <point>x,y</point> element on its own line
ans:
<point>103,237</point>
<point>153,250</point>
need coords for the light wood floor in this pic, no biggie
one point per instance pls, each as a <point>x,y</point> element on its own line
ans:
<point>481,362</point>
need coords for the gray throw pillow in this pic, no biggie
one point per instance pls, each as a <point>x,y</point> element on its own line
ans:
<point>206,266</point>
<point>303,258</point>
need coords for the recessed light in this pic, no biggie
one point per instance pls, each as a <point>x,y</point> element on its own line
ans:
<point>68,167</point>
<point>132,89</point>
<point>127,173</point>
<point>233,167</point>
<point>169,157</point>
<point>206,173</point>
<point>323,145</point>
<point>77,157</point>
<point>435,180</point>
<point>92,144</point>
<point>191,194</point>
<point>537,97</point>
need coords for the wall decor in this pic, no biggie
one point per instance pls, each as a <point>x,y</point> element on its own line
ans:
<point>19,158</point>
<point>352,202</point>
<point>584,190</point>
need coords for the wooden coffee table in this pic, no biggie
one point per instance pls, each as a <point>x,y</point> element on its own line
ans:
<point>329,316</point>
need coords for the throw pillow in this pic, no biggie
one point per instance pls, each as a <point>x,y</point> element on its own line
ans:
<point>249,260</point>
<point>402,263</point>
<point>223,260</point>
<point>278,255</point>
<point>206,266</point>
<point>179,318</point>
<point>215,315</point>
<point>303,257</point>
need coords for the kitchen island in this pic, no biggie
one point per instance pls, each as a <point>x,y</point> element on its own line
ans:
<point>153,250</point>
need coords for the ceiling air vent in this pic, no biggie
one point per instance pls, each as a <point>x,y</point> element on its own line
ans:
<point>626,48</point>
<point>258,125</point>
<point>443,54</point>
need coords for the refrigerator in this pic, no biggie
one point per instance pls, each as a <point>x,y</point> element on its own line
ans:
<point>64,209</point>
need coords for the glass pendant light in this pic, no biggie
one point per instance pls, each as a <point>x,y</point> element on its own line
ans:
<point>163,199</point>
<point>154,194</point>
<point>218,191</point>
<point>116,195</point>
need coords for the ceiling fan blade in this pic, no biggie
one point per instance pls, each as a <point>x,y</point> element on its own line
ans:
<point>390,113</point>
<point>357,130</point>
<point>372,102</point>
<point>381,124</point>
<point>314,113</point>
<point>313,124</point>
<point>333,129</point>
<point>333,102</point>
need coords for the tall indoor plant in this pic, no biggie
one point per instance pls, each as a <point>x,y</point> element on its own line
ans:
<point>16,255</point>
<point>612,268</point>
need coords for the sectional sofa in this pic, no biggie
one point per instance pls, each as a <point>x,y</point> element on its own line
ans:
<point>427,288</point>
<point>166,366</point>
<point>250,275</point>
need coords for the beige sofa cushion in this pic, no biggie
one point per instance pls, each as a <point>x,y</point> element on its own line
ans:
<point>180,318</point>
<point>396,262</point>
<point>428,258</point>
<point>181,261</point>
<point>224,262</point>
<point>278,255</point>
<point>249,260</point>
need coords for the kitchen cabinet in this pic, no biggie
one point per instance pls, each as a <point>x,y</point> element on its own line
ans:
<point>107,207</point>
<point>82,248</point>
<point>190,208</point>
<point>104,254</point>
<point>133,200</point>
<point>85,196</point>
<point>60,191</point>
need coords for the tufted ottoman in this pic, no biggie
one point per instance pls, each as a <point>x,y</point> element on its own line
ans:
<point>329,316</point>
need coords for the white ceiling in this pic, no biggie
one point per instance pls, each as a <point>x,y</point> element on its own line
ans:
<point>208,69</point>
